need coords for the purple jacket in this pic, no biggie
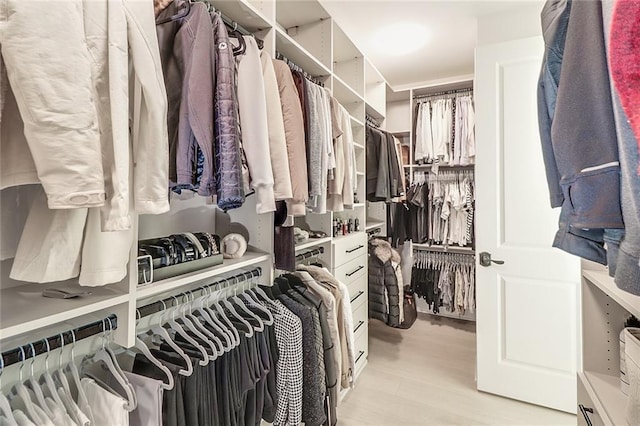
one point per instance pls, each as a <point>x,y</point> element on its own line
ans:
<point>187,54</point>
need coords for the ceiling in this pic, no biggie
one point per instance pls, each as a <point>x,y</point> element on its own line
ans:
<point>451,34</point>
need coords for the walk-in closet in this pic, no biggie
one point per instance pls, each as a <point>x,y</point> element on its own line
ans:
<point>319,212</point>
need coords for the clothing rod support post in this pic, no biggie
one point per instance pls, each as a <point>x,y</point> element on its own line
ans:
<point>40,347</point>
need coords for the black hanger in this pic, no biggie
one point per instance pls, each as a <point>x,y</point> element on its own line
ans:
<point>233,32</point>
<point>181,14</point>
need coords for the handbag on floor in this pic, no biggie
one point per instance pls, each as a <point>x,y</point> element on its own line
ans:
<point>410,309</point>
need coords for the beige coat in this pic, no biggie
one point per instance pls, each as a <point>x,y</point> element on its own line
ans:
<point>294,133</point>
<point>277,139</point>
<point>345,321</point>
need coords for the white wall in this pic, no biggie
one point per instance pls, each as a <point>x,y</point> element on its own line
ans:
<point>510,25</point>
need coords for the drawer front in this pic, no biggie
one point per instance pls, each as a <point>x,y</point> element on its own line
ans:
<point>358,292</point>
<point>362,349</point>
<point>352,270</point>
<point>360,319</point>
<point>587,413</point>
<point>348,248</point>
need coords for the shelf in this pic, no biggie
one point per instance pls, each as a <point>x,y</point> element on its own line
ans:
<point>604,282</point>
<point>342,237</point>
<point>372,111</point>
<point>290,48</point>
<point>23,309</point>
<point>356,121</point>
<point>312,242</point>
<point>245,14</point>
<point>344,93</point>
<point>249,259</point>
<point>297,13</point>
<point>372,224</point>
<point>401,133</point>
<point>605,393</point>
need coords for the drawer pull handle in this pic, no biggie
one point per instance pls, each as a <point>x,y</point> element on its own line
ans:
<point>355,270</point>
<point>359,356</point>
<point>355,249</point>
<point>360,293</point>
<point>585,412</point>
<point>360,324</point>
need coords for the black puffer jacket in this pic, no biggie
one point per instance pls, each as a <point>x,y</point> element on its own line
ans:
<point>384,300</point>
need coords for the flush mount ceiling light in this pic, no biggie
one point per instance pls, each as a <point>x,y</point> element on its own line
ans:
<point>400,38</point>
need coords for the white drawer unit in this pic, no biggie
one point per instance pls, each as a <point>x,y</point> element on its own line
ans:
<point>360,319</point>
<point>362,351</point>
<point>358,292</point>
<point>346,249</point>
<point>352,270</point>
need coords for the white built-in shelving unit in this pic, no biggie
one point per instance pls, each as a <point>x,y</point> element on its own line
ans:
<point>400,112</point>
<point>605,308</point>
<point>306,34</point>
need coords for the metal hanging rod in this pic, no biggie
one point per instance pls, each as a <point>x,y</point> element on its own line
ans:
<point>211,8</point>
<point>310,253</point>
<point>372,121</point>
<point>236,27</point>
<point>444,93</point>
<point>298,68</point>
<point>47,344</point>
<point>460,251</point>
<point>170,302</point>
<point>374,231</point>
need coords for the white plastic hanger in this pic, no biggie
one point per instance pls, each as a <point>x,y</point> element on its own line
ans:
<point>5,406</point>
<point>220,313</point>
<point>232,310</point>
<point>252,298</point>
<point>144,349</point>
<point>48,380</point>
<point>218,344</point>
<point>20,390</point>
<point>209,316</point>
<point>162,332</point>
<point>32,384</point>
<point>105,356</point>
<point>221,321</point>
<point>82,399</point>
<point>177,327</point>
<point>250,315</point>
<point>191,326</point>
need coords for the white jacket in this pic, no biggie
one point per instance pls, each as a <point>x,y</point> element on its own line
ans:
<point>277,140</point>
<point>75,105</point>
<point>55,242</point>
<point>252,105</point>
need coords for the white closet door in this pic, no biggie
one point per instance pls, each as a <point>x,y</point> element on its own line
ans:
<point>527,308</point>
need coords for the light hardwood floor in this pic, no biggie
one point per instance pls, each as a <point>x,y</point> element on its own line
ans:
<point>426,376</point>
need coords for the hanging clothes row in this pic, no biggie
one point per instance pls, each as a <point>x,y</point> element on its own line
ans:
<point>206,108</point>
<point>439,210</point>
<point>445,130</point>
<point>228,353</point>
<point>385,170</point>
<point>445,280</point>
